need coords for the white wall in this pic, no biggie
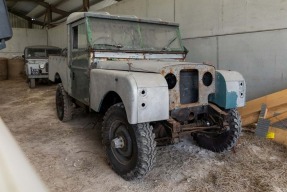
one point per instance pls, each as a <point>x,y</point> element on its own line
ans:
<point>23,37</point>
<point>209,18</point>
<point>57,36</point>
<point>163,9</point>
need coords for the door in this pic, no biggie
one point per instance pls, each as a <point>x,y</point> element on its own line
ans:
<point>80,64</point>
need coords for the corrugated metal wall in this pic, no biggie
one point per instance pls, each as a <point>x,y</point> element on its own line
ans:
<point>18,22</point>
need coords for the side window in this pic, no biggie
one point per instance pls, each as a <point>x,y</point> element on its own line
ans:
<point>79,37</point>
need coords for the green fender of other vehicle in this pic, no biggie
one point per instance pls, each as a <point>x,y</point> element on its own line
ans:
<point>230,89</point>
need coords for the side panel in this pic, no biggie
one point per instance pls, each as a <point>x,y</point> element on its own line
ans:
<point>59,65</point>
<point>230,89</point>
<point>153,97</point>
<point>80,76</point>
<point>145,95</point>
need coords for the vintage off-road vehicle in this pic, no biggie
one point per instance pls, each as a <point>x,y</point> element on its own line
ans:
<point>36,62</point>
<point>133,71</point>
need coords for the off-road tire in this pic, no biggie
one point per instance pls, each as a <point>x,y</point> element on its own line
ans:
<point>64,104</point>
<point>142,141</point>
<point>224,141</point>
<point>32,83</point>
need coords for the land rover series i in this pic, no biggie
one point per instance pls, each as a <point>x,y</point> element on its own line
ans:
<point>134,72</point>
<point>36,62</point>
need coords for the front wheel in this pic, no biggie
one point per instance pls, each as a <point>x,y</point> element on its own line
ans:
<point>130,149</point>
<point>225,140</point>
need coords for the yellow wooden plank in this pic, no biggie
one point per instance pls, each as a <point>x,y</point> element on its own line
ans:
<point>278,118</point>
<point>272,100</point>
<point>280,135</point>
<point>253,118</point>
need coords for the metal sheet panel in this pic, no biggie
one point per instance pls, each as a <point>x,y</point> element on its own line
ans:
<point>129,86</point>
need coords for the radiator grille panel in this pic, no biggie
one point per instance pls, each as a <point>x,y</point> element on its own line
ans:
<point>188,86</point>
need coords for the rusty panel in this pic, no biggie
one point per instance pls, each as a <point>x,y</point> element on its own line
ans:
<point>203,90</point>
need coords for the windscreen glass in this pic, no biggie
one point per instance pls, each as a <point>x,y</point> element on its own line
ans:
<point>36,53</point>
<point>133,36</point>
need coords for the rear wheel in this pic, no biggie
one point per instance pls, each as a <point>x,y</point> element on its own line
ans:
<point>224,140</point>
<point>32,83</point>
<point>130,149</point>
<point>64,104</point>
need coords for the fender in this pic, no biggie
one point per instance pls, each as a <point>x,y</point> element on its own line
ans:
<point>144,95</point>
<point>230,89</point>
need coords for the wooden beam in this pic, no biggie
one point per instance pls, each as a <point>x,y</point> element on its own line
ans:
<point>29,19</point>
<point>272,112</point>
<point>272,100</point>
<point>47,6</point>
<point>49,15</point>
<point>86,5</point>
<point>39,2</point>
<point>278,118</point>
<point>53,5</point>
<point>276,103</point>
<point>59,11</point>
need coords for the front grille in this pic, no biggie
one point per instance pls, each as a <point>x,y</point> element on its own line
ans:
<point>188,86</point>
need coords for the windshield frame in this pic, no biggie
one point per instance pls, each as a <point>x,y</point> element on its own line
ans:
<point>38,48</point>
<point>119,48</point>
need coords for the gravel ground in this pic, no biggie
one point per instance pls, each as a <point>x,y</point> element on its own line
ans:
<point>70,157</point>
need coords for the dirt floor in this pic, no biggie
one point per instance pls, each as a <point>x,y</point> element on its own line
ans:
<point>70,157</point>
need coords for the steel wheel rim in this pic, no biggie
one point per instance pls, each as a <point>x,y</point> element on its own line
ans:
<point>121,129</point>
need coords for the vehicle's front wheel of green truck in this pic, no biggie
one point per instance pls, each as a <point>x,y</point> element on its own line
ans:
<point>64,104</point>
<point>130,149</point>
<point>224,140</point>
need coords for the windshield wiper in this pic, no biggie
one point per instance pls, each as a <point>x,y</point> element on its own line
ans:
<point>108,45</point>
<point>169,43</point>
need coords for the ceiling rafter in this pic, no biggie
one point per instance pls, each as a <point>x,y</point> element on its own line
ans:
<point>54,5</point>
<point>81,8</point>
<point>29,19</point>
<point>46,5</point>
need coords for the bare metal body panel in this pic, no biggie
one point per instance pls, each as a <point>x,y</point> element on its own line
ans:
<point>145,95</point>
<point>58,65</point>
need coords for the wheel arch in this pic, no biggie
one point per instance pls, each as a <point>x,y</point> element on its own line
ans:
<point>109,100</point>
<point>57,78</point>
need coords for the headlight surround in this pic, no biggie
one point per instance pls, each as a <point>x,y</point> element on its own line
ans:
<point>171,80</point>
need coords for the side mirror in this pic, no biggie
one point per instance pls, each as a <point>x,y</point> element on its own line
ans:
<point>23,56</point>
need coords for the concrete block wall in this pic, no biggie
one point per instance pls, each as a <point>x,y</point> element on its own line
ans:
<point>23,37</point>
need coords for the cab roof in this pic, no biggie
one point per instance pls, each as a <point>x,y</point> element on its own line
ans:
<point>79,15</point>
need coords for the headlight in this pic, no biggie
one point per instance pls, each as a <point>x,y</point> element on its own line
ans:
<point>207,79</point>
<point>171,80</point>
<point>42,66</point>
